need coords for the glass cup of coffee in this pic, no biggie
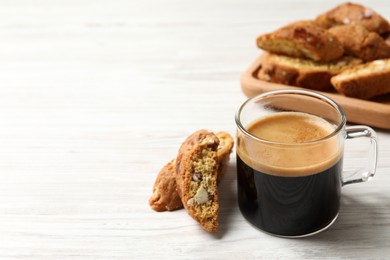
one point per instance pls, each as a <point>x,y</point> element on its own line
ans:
<point>290,146</point>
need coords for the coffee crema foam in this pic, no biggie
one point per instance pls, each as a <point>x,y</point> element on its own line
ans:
<point>297,149</point>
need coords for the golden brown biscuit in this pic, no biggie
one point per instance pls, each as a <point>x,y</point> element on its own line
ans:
<point>354,14</point>
<point>196,178</point>
<point>165,196</point>
<point>225,147</point>
<point>360,42</point>
<point>302,39</point>
<point>302,72</point>
<point>364,81</point>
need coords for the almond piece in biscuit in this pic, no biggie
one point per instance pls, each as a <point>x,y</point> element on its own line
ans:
<point>165,196</point>
<point>196,178</point>
<point>302,39</point>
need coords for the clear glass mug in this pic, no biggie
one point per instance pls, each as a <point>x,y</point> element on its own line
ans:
<point>292,189</point>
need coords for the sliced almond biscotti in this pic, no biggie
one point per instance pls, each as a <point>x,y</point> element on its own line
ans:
<point>352,13</point>
<point>360,42</point>
<point>165,196</point>
<point>196,178</point>
<point>302,72</point>
<point>364,81</point>
<point>302,39</point>
<point>225,147</point>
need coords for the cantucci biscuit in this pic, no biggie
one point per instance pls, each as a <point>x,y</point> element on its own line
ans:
<point>302,72</point>
<point>165,196</point>
<point>361,43</point>
<point>354,14</point>
<point>302,39</point>
<point>196,178</point>
<point>364,81</point>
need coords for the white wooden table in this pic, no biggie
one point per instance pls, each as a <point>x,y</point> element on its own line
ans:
<point>96,96</point>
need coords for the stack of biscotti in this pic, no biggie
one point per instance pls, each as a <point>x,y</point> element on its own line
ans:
<point>346,49</point>
<point>190,180</point>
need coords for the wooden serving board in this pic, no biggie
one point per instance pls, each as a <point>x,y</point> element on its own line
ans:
<point>375,113</point>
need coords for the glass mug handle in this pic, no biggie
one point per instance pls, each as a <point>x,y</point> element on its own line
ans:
<point>364,175</point>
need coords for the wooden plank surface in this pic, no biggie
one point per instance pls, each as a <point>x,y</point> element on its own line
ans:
<point>96,96</point>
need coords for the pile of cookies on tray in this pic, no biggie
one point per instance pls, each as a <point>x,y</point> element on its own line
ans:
<point>346,49</point>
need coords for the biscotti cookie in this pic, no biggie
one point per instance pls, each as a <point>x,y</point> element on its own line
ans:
<point>354,14</point>
<point>302,72</point>
<point>165,196</point>
<point>225,147</point>
<point>303,39</point>
<point>196,178</point>
<point>360,42</point>
<point>364,81</point>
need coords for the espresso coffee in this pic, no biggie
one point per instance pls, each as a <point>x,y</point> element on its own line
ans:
<point>289,191</point>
